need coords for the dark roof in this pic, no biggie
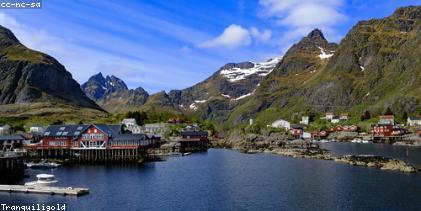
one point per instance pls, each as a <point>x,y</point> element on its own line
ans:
<point>415,118</point>
<point>65,130</point>
<point>75,130</point>
<point>125,137</point>
<point>194,133</point>
<point>297,126</point>
<point>110,129</point>
<point>12,138</point>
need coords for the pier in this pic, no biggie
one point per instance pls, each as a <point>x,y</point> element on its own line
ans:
<point>44,190</point>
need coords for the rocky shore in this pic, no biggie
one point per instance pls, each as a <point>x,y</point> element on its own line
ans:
<point>279,144</point>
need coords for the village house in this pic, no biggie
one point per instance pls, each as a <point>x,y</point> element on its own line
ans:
<point>386,120</point>
<point>280,123</point>
<point>4,129</point>
<point>304,120</point>
<point>132,125</point>
<point>329,115</point>
<point>11,142</point>
<point>414,121</point>
<point>193,140</point>
<point>155,129</point>
<point>296,131</point>
<point>343,117</point>
<point>36,129</point>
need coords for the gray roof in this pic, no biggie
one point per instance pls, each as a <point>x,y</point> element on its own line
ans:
<point>12,138</point>
<point>125,137</point>
<point>194,133</point>
<point>414,118</point>
<point>65,130</point>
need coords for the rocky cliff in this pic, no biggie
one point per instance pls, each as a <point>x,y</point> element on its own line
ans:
<point>28,76</point>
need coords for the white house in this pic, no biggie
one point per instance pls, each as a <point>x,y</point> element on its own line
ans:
<point>344,117</point>
<point>4,129</point>
<point>329,115</point>
<point>414,121</point>
<point>131,125</point>
<point>280,123</point>
<point>36,129</point>
<point>155,128</point>
<point>304,120</point>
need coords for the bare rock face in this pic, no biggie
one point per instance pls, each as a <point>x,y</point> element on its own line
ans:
<point>28,76</point>
<point>112,93</point>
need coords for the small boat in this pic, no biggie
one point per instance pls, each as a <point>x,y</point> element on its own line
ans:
<point>357,141</point>
<point>43,180</point>
<point>366,142</point>
<point>187,153</point>
<point>43,165</point>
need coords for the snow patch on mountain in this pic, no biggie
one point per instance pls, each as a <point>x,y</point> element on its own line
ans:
<point>324,55</point>
<point>262,69</point>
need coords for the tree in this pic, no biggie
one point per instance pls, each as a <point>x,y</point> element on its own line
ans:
<point>404,116</point>
<point>57,122</point>
<point>366,116</point>
<point>140,117</point>
<point>388,111</point>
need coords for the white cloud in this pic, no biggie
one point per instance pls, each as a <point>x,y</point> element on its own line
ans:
<point>235,36</point>
<point>301,16</point>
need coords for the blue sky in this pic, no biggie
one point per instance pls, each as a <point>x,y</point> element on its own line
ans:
<point>164,45</point>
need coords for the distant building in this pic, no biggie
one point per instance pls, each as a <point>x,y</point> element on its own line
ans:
<point>251,122</point>
<point>155,128</point>
<point>36,129</point>
<point>343,117</point>
<point>414,121</point>
<point>132,125</point>
<point>4,129</point>
<point>296,131</point>
<point>193,141</point>
<point>10,143</point>
<point>329,115</point>
<point>386,120</point>
<point>280,123</point>
<point>304,120</point>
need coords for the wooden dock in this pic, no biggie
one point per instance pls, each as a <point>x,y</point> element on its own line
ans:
<point>44,190</point>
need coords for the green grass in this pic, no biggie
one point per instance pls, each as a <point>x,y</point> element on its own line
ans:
<point>21,53</point>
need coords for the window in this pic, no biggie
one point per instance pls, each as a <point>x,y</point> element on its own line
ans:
<point>62,128</point>
<point>77,133</point>
<point>79,128</point>
<point>47,133</point>
<point>65,133</point>
<point>58,133</point>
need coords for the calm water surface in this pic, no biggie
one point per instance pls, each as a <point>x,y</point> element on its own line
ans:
<point>228,180</point>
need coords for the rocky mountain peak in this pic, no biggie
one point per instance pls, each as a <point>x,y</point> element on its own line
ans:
<point>115,83</point>
<point>241,65</point>
<point>7,37</point>
<point>316,34</point>
<point>410,12</point>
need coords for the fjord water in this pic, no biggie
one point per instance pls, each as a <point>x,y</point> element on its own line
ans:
<point>228,180</point>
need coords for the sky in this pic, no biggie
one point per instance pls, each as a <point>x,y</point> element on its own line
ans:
<point>165,45</point>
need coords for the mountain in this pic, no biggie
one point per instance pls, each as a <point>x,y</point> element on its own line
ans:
<point>377,65</point>
<point>112,94</point>
<point>230,84</point>
<point>31,77</point>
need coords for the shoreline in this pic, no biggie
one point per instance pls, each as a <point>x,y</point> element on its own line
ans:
<point>310,151</point>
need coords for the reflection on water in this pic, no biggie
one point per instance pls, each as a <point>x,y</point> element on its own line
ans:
<point>228,180</point>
